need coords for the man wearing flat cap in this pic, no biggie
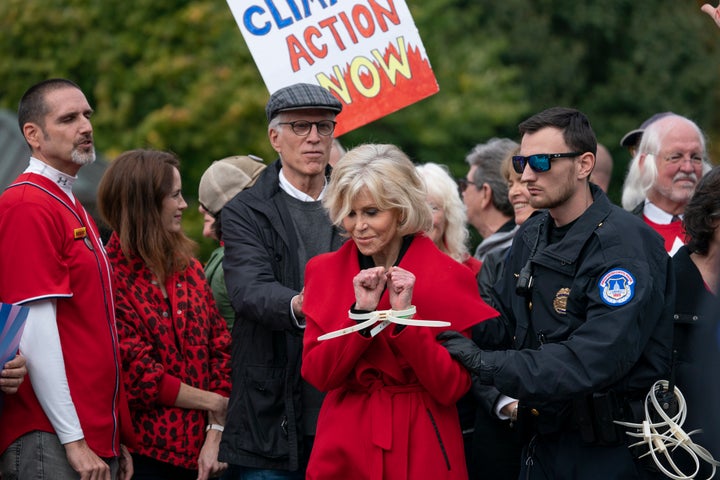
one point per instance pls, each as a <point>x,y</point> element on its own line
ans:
<point>270,232</point>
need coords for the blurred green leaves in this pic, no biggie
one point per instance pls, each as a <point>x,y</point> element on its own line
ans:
<point>177,74</point>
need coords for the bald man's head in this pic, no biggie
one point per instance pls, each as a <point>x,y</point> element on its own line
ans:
<point>602,173</point>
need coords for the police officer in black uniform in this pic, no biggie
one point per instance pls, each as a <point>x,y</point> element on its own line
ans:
<point>586,300</point>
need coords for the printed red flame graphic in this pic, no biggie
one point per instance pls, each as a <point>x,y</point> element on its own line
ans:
<point>362,110</point>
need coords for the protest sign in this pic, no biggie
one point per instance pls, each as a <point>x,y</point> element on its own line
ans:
<point>12,323</point>
<point>368,53</point>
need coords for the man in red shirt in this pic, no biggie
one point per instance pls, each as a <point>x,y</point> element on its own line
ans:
<point>64,421</point>
<point>669,161</point>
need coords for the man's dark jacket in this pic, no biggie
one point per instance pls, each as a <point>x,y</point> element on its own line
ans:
<point>264,422</point>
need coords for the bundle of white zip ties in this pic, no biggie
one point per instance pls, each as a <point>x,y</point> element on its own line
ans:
<point>383,318</point>
<point>667,435</point>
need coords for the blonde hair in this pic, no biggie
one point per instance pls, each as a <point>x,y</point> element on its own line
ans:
<point>506,167</point>
<point>441,186</point>
<point>391,180</point>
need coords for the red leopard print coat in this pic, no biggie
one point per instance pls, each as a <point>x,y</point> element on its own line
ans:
<point>164,342</point>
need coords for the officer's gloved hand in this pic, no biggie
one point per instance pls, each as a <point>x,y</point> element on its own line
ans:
<point>462,349</point>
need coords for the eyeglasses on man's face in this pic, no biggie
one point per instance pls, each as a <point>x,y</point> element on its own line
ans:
<point>464,183</point>
<point>302,128</point>
<point>677,158</point>
<point>540,162</point>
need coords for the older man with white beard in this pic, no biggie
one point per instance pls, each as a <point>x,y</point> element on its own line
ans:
<point>663,174</point>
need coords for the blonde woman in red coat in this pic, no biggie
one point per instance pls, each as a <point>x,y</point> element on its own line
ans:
<point>391,387</point>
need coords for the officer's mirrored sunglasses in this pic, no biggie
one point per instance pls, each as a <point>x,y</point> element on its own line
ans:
<point>539,162</point>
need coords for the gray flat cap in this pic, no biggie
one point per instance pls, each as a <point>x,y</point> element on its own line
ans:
<point>300,96</point>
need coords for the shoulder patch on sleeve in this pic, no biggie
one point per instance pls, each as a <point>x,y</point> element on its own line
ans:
<point>617,287</point>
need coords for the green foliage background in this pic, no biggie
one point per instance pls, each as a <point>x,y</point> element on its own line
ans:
<point>177,74</point>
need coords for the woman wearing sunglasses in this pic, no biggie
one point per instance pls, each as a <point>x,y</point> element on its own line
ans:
<point>495,446</point>
<point>520,200</point>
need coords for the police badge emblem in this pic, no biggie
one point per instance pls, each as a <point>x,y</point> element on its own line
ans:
<point>560,301</point>
<point>617,287</point>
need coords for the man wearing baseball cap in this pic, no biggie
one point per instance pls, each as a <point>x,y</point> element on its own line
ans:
<point>223,180</point>
<point>270,232</point>
<point>631,140</point>
<point>671,158</point>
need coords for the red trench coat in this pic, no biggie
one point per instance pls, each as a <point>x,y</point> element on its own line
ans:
<point>390,409</point>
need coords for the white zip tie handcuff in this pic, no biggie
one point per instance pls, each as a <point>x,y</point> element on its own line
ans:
<point>668,433</point>
<point>385,318</point>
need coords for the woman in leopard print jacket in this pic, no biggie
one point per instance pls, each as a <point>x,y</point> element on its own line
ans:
<point>174,344</point>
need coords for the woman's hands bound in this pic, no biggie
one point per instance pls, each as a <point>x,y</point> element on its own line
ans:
<point>370,283</point>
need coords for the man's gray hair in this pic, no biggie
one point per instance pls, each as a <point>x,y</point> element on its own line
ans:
<point>487,158</point>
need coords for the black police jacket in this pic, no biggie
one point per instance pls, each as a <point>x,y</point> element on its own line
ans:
<point>598,317</point>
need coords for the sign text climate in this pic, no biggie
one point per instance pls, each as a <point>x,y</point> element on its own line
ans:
<point>366,52</point>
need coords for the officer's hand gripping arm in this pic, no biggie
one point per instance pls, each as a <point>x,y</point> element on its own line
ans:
<point>462,349</point>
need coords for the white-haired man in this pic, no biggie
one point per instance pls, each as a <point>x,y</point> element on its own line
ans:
<point>663,174</point>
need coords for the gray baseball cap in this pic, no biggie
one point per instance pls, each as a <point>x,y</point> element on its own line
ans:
<point>225,178</point>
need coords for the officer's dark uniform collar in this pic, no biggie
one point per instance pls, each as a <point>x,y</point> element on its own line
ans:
<point>567,251</point>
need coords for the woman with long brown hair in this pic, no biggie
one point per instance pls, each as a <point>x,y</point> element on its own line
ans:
<point>173,342</point>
